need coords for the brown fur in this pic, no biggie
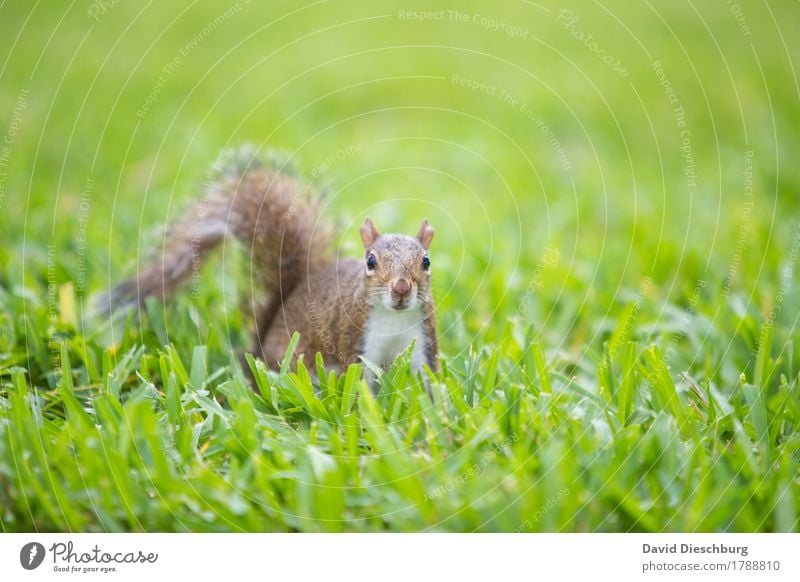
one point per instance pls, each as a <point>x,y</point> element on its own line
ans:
<point>327,301</point>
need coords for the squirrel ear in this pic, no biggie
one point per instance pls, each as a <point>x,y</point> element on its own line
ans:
<point>425,234</point>
<point>368,232</point>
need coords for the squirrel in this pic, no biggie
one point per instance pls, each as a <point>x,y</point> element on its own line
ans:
<point>348,310</point>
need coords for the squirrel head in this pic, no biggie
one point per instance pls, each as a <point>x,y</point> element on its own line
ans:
<point>397,267</point>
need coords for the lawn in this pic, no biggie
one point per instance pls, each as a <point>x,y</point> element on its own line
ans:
<point>614,189</point>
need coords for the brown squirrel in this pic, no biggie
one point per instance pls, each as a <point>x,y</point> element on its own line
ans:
<point>345,309</point>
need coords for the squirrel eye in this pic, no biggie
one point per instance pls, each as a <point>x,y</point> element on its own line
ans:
<point>371,262</point>
<point>426,262</point>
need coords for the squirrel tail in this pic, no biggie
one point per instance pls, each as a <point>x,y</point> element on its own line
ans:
<point>254,200</point>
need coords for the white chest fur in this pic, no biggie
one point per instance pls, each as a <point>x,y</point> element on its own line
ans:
<point>390,332</point>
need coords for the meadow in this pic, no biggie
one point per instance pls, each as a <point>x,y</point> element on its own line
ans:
<point>614,188</point>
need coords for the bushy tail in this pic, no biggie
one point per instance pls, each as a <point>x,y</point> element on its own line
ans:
<point>273,214</point>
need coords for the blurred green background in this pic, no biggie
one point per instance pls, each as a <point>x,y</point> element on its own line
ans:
<point>139,100</point>
<point>601,171</point>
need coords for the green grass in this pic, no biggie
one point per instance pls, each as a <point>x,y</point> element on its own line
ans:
<point>617,283</point>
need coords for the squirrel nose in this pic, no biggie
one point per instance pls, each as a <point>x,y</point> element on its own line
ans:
<point>401,288</point>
